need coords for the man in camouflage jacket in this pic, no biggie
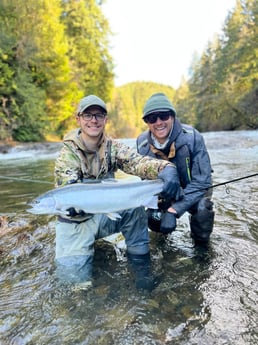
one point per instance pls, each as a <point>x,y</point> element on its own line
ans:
<point>89,154</point>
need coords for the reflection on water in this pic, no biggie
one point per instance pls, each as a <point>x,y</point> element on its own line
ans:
<point>205,297</point>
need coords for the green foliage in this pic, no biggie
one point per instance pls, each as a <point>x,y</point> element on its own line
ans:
<point>222,90</point>
<point>87,33</point>
<point>126,106</point>
<point>53,53</point>
<point>28,109</point>
<point>184,106</point>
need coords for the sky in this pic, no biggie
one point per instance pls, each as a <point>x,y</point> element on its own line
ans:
<point>155,40</point>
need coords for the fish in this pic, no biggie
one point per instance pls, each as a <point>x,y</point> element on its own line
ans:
<point>106,197</point>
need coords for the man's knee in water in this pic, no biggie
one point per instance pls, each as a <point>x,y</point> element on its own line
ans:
<point>74,269</point>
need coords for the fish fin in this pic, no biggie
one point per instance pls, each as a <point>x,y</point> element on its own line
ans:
<point>113,215</point>
<point>62,213</point>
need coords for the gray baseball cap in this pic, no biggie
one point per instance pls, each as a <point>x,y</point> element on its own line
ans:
<point>90,100</point>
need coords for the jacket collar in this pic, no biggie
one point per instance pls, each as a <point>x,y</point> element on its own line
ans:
<point>75,136</point>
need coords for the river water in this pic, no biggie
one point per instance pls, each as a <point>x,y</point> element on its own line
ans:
<point>204,297</point>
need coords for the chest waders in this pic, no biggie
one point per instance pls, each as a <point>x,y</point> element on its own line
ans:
<point>75,240</point>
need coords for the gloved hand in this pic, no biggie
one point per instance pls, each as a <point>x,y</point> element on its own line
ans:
<point>71,212</point>
<point>168,222</point>
<point>171,187</point>
<point>154,217</point>
<point>164,204</point>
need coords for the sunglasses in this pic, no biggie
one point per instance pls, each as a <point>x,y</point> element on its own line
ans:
<point>154,117</point>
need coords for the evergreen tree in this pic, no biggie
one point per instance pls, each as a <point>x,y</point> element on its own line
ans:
<point>33,45</point>
<point>87,32</point>
<point>126,107</point>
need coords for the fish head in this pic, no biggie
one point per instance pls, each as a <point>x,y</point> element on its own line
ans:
<point>43,205</point>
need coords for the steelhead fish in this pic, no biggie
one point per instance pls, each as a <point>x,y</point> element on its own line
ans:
<point>105,197</point>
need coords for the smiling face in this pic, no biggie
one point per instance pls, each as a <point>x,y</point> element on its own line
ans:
<point>161,128</point>
<point>92,127</point>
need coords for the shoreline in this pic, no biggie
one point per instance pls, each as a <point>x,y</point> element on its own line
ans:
<point>6,147</point>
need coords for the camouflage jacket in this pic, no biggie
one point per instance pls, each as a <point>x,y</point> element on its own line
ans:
<point>76,164</point>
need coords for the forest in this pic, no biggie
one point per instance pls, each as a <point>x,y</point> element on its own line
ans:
<point>53,53</point>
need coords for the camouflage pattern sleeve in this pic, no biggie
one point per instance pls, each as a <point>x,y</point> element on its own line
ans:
<point>67,167</point>
<point>131,162</point>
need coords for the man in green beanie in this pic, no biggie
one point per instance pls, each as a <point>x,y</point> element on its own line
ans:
<point>184,146</point>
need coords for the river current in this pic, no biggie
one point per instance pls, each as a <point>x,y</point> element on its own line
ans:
<point>205,297</point>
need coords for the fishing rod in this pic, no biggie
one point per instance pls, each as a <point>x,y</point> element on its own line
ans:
<point>224,183</point>
<point>23,179</point>
<point>234,180</point>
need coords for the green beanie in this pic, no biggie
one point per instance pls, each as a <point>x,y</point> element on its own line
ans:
<point>90,100</point>
<point>158,103</point>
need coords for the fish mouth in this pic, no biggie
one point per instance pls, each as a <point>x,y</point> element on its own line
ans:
<point>40,211</point>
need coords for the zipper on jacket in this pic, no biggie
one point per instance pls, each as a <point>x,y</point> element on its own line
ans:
<point>187,160</point>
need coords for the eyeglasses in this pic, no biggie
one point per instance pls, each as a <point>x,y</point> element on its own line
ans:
<point>152,118</point>
<point>89,116</point>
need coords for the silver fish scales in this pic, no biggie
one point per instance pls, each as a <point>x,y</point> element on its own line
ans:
<point>106,197</point>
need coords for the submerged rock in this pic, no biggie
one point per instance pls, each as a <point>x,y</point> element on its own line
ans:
<point>20,238</point>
